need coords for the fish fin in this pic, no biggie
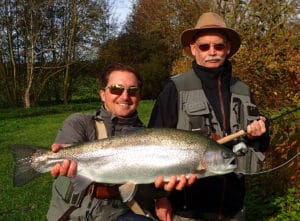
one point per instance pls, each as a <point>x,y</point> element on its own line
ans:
<point>23,171</point>
<point>127,191</point>
<point>80,183</point>
<point>201,166</point>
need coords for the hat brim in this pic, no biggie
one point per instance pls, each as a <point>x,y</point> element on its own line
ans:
<point>187,37</point>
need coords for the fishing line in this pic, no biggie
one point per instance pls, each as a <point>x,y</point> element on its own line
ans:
<point>284,114</point>
<point>285,163</point>
<point>272,169</point>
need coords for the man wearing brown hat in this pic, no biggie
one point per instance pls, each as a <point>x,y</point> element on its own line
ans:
<point>209,100</point>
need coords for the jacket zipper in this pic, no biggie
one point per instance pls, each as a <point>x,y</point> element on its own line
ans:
<point>222,105</point>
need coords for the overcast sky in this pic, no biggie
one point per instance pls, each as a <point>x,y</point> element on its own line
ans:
<point>121,9</point>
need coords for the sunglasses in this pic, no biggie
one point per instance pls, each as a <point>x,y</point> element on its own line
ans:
<point>118,89</point>
<point>206,47</point>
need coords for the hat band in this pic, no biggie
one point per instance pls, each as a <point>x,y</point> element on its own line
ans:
<point>212,26</point>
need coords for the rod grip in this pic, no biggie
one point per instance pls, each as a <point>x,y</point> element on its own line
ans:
<point>231,137</point>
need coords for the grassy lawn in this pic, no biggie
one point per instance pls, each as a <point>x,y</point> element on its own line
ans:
<point>38,126</point>
<point>30,201</point>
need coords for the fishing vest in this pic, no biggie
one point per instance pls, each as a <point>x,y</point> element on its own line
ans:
<point>196,114</point>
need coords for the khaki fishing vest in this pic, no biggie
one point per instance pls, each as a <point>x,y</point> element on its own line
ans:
<point>195,112</point>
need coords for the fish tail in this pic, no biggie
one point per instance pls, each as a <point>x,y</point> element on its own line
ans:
<point>24,171</point>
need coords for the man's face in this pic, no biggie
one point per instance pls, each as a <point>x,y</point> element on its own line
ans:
<point>210,50</point>
<point>121,103</point>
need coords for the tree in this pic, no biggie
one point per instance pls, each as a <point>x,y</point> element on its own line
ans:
<point>168,17</point>
<point>268,41</point>
<point>43,40</point>
<point>149,40</point>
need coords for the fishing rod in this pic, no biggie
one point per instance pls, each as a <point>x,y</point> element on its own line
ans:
<point>283,114</point>
<point>272,169</point>
<point>242,132</point>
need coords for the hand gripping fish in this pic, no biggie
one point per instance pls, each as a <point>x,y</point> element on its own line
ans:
<point>135,158</point>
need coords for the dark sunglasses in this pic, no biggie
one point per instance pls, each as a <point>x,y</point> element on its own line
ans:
<point>206,47</point>
<point>118,89</point>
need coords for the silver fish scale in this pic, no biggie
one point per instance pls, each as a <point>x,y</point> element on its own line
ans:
<point>138,157</point>
<point>139,164</point>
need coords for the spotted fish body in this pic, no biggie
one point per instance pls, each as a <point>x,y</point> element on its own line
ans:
<point>138,157</point>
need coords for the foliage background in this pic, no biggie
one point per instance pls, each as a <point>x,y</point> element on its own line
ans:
<point>52,52</point>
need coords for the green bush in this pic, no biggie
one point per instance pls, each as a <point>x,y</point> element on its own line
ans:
<point>288,206</point>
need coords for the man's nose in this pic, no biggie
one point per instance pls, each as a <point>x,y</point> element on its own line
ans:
<point>125,94</point>
<point>212,50</point>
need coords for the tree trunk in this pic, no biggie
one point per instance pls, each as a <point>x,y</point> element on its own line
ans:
<point>26,101</point>
<point>70,47</point>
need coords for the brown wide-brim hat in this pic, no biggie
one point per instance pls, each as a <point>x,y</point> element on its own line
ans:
<point>210,22</point>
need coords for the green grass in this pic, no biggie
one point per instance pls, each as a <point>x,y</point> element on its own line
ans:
<point>29,202</point>
<point>38,126</point>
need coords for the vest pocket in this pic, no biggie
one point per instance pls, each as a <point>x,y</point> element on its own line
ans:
<point>198,114</point>
<point>199,108</point>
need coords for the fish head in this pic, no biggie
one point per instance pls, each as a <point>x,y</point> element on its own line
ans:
<point>219,161</point>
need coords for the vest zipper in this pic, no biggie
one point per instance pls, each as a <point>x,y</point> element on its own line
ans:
<point>222,105</point>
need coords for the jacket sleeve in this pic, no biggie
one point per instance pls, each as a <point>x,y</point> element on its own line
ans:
<point>76,128</point>
<point>165,111</point>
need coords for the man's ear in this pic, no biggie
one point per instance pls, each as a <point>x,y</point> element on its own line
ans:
<point>228,48</point>
<point>193,49</point>
<point>102,95</point>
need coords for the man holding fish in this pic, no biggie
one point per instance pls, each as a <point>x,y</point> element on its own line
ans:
<point>95,178</point>
<point>121,96</point>
<point>209,100</point>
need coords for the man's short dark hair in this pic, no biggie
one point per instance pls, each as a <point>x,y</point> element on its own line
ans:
<point>118,67</point>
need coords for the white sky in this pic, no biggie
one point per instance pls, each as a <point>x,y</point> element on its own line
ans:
<point>121,8</point>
